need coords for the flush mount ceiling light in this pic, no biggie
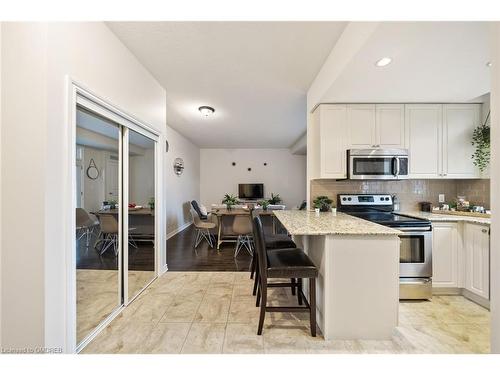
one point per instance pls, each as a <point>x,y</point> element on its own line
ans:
<point>206,111</point>
<point>384,61</point>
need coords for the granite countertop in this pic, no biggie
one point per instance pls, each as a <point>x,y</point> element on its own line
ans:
<point>309,223</point>
<point>449,218</point>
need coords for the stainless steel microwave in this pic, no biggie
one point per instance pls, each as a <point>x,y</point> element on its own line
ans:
<point>377,164</point>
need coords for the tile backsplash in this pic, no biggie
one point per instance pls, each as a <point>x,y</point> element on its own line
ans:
<point>409,192</point>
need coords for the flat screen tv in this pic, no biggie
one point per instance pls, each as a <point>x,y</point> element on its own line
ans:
<point>251,191</point>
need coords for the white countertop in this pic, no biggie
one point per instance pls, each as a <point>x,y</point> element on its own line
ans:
<point>309,223</point>
<point>448,218</point>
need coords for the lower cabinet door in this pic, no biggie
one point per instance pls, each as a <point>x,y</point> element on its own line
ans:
<point>477,259</point>
<point>445,255</point>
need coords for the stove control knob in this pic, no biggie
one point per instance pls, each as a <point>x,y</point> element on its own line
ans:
<point>386,198</point>
<point>344,198</point>
<point>349,199</point>
<point>381,198</point>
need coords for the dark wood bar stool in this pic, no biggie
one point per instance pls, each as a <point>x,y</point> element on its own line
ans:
<point>291,264</point>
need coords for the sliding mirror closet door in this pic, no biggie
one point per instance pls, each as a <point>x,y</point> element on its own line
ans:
<point>98,222</point>
<point>141,259</point>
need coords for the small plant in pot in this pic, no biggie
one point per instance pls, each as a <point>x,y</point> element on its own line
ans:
<point>112,204</point>
<point>151,203</point>
<point>323,203</point>
<point>264,204</point>
<point>229,200</point>
<point>275,199</point>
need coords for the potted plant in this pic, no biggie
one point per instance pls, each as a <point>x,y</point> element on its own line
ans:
<point>264,204</point>
<point>151,203</point>
<point>229,200</point>
<point>112,204</point>
<point>481,139</point>
<point>275,199</point>
<point>323,203</point>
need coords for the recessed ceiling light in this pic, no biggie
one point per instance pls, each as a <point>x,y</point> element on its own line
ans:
<point>488,64</point>
<point>206,111</point>
<point>383,61</point>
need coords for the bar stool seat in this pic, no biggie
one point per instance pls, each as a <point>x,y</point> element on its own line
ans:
<point>290,263</point>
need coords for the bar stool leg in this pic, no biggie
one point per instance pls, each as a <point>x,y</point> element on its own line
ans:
<point>263,304</point>
<point>293,286</point>
<point>256,282</point>
<point>299,291</point>
<point>312,305</point>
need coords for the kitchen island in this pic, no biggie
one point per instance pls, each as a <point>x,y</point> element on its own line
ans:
<point>358,264</point>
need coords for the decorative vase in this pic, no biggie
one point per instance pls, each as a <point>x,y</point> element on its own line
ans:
<point>334,210</point>
<point>317,211</point>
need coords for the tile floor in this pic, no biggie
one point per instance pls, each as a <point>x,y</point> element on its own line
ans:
<point>214,312</point>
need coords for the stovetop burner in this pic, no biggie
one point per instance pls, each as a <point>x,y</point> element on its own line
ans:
<point>377,208</point>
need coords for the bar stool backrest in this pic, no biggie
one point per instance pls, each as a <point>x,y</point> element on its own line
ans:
<point>260,245</point>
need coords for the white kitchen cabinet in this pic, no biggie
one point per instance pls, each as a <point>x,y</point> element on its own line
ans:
<point>375,125</point>
<point>445,262</point>
<point>477,259</point>
<point>390,125</point>
<point>361,120</point>
<point>459,121</point>
<point>327,142</point>
<point>424,138</point>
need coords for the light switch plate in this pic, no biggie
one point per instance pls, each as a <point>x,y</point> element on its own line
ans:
<point>441,198</point>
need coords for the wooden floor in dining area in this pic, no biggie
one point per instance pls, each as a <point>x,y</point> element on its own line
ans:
<point>214,312</point>
<point>181,255</point>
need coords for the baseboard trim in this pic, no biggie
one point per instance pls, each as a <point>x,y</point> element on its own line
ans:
<point>462,292</point>
<point>446,291</point>
<point>178,230</point>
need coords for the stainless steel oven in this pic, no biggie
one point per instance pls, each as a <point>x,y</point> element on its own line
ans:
<point>415,264</point>
<point>377,164</point>
<point>415,258</point>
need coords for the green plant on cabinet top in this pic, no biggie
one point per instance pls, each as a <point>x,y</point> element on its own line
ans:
<point>481,139</point>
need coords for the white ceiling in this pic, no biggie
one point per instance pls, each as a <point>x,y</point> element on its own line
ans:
<point>255,75</point>
<point>432,62</point>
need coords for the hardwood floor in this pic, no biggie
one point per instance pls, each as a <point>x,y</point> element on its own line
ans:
<point>181,255</point>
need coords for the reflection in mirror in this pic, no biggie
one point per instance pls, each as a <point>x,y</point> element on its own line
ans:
<point>141,216</point>
<point>97,220</point>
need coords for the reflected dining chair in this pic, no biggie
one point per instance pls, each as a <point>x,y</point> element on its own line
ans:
<point>109,233</point>
<point>85,225</point>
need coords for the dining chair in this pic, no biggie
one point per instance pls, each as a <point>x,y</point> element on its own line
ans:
<point>242,226</point>
<point>202,230</point>
<point>109,231</point>
<point>85,225</point>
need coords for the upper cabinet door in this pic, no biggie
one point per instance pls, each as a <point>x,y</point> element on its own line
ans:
<point>361,121</point>
<point>332,139</point>
<point>459,121</point>
<point>424,139</point>
<point>390,125</point>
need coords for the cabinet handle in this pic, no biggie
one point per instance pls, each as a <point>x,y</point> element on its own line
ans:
<point>484,230</point>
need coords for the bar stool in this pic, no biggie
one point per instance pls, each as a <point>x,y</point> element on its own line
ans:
<point>242,226</point>
<point>284,263</point>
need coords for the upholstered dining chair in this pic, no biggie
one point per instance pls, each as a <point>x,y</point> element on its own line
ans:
<point>242,226</point>
<point>202,230</point>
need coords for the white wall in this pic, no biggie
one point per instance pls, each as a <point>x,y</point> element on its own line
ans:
<point>184,188</point>
<point>285,173</point>
<point>495,187</point>
<point>141,177</point>
<point>36,59</point>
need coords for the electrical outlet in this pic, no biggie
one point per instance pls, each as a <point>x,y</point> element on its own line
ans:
<point>441,198</point>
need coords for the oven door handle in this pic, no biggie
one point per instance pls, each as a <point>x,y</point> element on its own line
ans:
<point>415,230</point>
